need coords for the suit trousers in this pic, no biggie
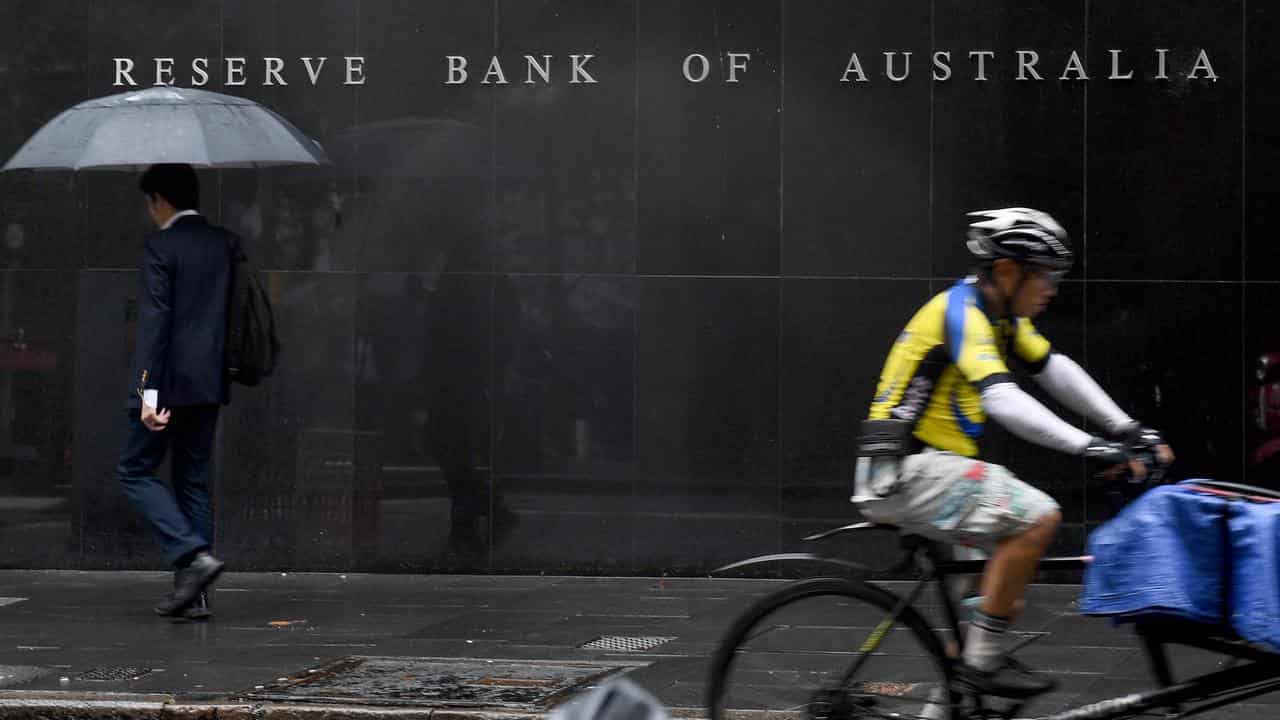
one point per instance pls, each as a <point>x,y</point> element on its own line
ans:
<point>181,519</point>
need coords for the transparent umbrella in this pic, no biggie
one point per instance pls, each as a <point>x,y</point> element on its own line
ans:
<point>133,130</point>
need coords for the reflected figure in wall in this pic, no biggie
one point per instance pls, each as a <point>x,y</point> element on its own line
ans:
<point>1263,461</point>
<point>454,386</point>
<point>422,205</point>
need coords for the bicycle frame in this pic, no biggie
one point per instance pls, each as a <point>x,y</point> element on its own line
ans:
<point>1233,684</point>
<point>1259,676</point>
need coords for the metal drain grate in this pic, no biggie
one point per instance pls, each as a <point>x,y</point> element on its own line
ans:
<point>626,643</point>
<point>512,684</point>
<point>109,673</point>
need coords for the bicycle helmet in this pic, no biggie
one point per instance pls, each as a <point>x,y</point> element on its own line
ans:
<point>1021,234</point>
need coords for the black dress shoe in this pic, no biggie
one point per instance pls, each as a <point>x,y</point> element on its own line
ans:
<point>189,583</point>
<point>1010,679</point>
<point>165,606</point>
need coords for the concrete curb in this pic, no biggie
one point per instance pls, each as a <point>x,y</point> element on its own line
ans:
<point>46,708</point>
<point>51,705</point>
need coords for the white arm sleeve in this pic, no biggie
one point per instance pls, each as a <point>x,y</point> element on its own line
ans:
<point>1070,385</point>
<point>1025,417</point>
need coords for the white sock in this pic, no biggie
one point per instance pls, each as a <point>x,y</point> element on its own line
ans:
<point>982,643</point>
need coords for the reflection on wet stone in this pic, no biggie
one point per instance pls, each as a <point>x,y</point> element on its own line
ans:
<point>15,675</point>
<point>290,219</point>
<point>626,326</point>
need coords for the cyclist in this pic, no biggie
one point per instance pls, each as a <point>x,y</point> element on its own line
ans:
<point>946,374</point>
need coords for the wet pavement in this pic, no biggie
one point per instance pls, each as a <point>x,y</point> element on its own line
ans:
<point>508,643</point>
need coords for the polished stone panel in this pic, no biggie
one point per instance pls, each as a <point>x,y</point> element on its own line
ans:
<point>109,532</point>
<point>707,154</point>
<point>184,31</point>
<point>565,149</point>
<point>832,351</point>
<point>707,395</point>
<point>1261,143</point>
<point>1164,156</point>
<point>855,155</point>
<point>421,150</point>
<point>42,220</point>
<point>296,218</point>
<point>43,68</point>
<point>630,326</point>
<point>423,386</point>
<point>1170,353</point>
<point>294,477</point>
<point>1002,141</point>
<point>37,413</point>
<point>42,64</point>
<point>707,372</point>
<point>564,369</point>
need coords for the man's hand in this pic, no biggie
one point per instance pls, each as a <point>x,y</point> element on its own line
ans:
<point>1115,454</point>
<point>155,421</point>
<point>1152,440</point>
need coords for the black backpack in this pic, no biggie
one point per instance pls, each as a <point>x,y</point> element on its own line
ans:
<point>252,347</point>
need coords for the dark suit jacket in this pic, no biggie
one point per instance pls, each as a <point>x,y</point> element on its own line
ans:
<point>182,314</point>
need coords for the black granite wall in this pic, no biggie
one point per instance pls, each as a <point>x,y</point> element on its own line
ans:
<point>620,321</point>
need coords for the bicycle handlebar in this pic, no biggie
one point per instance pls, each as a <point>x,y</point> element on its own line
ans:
<point>1123,486</point>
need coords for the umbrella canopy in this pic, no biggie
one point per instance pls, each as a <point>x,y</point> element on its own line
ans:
<point>166,124</point>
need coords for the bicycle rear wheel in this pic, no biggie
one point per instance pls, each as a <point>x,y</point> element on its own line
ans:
<point>830,649</point>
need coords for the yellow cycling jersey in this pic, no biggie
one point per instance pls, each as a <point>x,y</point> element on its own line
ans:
<point>949,351</point>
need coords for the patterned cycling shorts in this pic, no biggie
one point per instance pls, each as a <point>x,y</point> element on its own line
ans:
<point>956,499</point>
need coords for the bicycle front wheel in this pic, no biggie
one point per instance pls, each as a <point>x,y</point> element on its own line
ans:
<point>830,649</point>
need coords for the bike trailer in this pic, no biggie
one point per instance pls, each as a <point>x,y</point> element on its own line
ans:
<point>1165,556</point>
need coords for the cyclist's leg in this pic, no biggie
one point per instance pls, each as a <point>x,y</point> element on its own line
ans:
<point>1013,563</point>
<point>1003,585</point>
<point>976,505</point>
<point>956,499</point>
<point>980,508</point>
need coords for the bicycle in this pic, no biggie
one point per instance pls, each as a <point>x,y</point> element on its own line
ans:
<point>904,668</point>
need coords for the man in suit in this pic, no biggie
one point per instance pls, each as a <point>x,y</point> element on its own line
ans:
<point>179,381</point>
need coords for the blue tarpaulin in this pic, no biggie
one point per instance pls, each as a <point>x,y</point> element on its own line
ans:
<point>1254,594</point>
<point>1165,555</point>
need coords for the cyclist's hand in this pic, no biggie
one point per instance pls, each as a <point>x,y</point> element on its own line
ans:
<point>1116,455</point>
<point>1107,452</point>
<point>1150,439</point>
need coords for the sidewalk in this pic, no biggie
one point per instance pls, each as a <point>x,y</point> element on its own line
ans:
<point>86,644</point>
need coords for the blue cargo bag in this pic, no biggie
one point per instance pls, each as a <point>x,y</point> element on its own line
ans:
<point>1255,572</point>
<point>1164,556</point>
